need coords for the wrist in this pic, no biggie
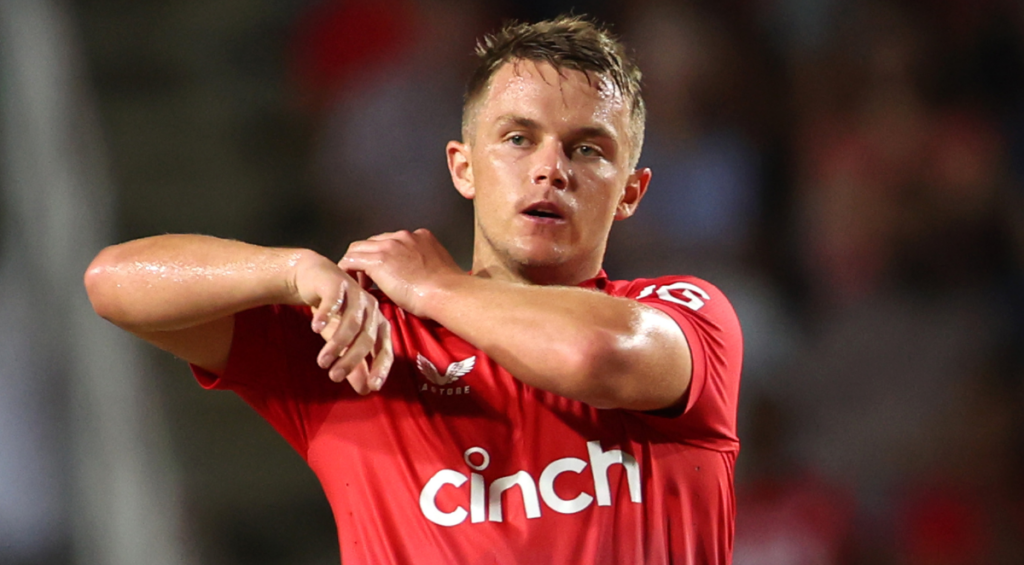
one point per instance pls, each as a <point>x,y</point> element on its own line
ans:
<point>437,297</point>
<point>291,264</point>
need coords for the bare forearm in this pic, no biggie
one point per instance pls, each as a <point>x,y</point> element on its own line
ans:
<point>581,344</point>
<point>171,282</point>
<point>607,351</point>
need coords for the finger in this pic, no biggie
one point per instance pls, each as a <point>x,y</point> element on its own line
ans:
<point>331,328</point>
<point>368,251</point>
<point>331,301</point>
<point>383,356</point>
<point>365,340</point>
<point>362,316</point>
<point>353,320</point>
<point>339,330</point>
<point>386,235</point>
<point>360,261</point>
<point>357,378</point>
<point>352,357</point>
<point>349,324</point>
<point>356,246</point>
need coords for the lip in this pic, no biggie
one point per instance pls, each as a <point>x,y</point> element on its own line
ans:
<point>544,212</point>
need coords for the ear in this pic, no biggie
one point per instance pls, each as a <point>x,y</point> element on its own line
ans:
<point>461,169</point>
<point>636,187</point>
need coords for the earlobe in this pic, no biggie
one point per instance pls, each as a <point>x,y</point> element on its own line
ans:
<point>635,189</point>
<point>461,169</point>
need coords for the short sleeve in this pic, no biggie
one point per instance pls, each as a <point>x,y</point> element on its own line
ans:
<point>272,368</point>
<point>712,330</point>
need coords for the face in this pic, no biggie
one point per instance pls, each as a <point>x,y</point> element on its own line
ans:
<point>547,164</point>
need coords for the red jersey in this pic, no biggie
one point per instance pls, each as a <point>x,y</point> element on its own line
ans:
<point>455,461</point>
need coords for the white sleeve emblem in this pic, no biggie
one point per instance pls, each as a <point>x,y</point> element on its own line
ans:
<point>693,297</point>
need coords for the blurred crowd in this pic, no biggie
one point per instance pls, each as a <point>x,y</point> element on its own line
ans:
<point>852,175</point>
<point>849,172</point>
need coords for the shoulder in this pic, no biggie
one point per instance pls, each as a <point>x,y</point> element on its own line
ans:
<point>715,341</point>
<point>700,308</point>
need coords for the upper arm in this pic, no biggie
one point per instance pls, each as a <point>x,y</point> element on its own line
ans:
<point>205,345</point>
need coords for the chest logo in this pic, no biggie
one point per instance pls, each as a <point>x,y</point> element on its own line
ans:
<point>454,372</point>
<point>486,491</point>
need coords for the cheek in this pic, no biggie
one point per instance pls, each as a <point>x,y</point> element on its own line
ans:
<point>492,194</point>
<point>504,167</point>
<point>496,181</point>
<point>599,174</point>
<point>605,185</point>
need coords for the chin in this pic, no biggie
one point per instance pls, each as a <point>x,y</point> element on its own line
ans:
<point>540,257</point>
<point>535,257</point>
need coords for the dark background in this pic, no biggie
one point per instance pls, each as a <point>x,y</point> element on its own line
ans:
<point>849,172</point>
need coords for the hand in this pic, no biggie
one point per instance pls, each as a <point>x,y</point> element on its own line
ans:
<point>349,320</point>
<point>408,267</point>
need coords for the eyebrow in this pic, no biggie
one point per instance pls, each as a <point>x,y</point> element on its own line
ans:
<point>518,120</point>
<point>584,132</point>
<point>595,131</point>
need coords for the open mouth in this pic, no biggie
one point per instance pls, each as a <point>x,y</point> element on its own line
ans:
<point>543,214</point>
<point>544,210</point>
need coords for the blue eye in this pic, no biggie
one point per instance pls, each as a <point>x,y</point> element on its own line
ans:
<point>587,151</point>
<point>517,140</point>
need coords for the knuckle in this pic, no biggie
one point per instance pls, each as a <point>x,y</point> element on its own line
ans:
<point>345,368</point>
<point>365,341</point>
<point>334,296</point>
<point>330,328</point>
<point>349,328</point>
<point>370,329</point>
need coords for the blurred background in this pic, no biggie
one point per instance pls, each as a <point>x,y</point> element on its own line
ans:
<point>849,172</point>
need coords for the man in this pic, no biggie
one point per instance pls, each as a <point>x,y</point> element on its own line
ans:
<point>531,411</point>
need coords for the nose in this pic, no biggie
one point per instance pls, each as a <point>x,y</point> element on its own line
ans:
<point>551,166</point>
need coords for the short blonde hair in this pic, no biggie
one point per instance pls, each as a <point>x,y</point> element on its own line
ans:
<point>566,42</point>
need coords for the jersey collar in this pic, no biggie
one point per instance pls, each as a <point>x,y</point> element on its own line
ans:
<point>598,282</point>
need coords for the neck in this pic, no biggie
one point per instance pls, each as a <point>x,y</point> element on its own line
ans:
<point>533,275</point>
<point>487,265</point>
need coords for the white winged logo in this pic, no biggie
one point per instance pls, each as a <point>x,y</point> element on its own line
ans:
<point>455,371</point>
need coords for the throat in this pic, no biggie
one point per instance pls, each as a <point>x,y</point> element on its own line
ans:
<point>503,260</point>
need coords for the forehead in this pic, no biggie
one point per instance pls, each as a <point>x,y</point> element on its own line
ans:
<point>554,97</point>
